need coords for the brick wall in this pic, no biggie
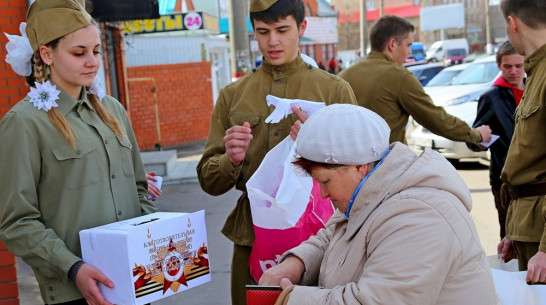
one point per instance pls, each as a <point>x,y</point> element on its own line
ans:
<point>9,291</point>
<point>184,103</point>
<point>12,89</point>
<point>12,86</point>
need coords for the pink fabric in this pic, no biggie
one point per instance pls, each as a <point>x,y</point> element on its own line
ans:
<point>270,244</point>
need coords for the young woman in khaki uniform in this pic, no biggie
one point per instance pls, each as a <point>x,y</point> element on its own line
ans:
<point>69,159</point>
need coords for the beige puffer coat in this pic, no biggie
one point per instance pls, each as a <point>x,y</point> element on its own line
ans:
<point>409,239</point>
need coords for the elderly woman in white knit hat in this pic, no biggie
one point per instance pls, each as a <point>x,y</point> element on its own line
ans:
<point>402,233</point>
<point>69,159</point>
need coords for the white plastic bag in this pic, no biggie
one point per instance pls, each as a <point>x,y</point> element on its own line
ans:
<point>286,204</point>
<point>275,189</point>
<point>512,289</point>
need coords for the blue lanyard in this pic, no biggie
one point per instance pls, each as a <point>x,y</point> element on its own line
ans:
<point>360,186</point>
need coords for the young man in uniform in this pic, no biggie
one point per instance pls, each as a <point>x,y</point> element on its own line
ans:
<point>382,84</point>
<point>239,138</point>
<point>524,173</point>
<point>496,109</point>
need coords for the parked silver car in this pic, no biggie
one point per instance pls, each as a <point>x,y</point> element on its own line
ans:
<point>446,76</point>
<point>460,99</point>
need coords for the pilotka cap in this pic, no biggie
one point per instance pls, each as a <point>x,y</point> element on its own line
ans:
<point>48,20</point>
<point>261,5</point>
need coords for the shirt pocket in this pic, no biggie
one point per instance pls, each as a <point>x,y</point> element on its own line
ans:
<point>526,112</point>
<point>239,119</point>
<point>79,166</point>
<point>126,155</point>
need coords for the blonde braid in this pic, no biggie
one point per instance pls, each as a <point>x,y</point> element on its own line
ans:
<point>55,116</point>
<point>105,115</point>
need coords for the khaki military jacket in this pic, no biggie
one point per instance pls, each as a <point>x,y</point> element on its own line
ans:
<point>526,159</point>
<point>51,191</point>
<point>392,91</point>
<point>244,101</point>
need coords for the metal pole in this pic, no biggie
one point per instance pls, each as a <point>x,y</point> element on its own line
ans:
<point>488,42</point>
<point>381,8</point>
<point>363,32</point>
<point>238,37</point>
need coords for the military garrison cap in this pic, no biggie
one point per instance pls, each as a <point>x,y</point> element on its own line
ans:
<point>48,20</point>
<point>260,5</point>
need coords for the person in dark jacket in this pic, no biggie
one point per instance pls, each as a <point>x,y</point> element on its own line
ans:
<point>496,108</point>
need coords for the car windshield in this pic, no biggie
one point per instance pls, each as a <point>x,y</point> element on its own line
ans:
<point>477,73</point>
<point>416,72</point>
<point>418,52</point>
<point>444,78</point>
<point>456,52</point>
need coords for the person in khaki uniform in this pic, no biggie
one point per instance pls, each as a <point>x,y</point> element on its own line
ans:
<point>383,85</point>
<point>69,158</point>
<point>524,172</point>
<point>239,138</point>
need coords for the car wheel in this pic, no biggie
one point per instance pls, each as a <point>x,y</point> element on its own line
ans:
<point>454,162</point>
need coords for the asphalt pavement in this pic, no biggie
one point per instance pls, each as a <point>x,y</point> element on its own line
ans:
<point>188,197</point>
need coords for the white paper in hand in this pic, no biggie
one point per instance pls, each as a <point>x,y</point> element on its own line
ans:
<point>283,107</point>
<point>494,138</point>
<point>158,184</point>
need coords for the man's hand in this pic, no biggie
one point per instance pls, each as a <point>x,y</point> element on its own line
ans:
<point>302,117</point>
<point>485,133</point>
<point>287,272</point>
<point>506,250</point>
<point>87,281</point>
<point>236,142</point>
<point>536,268</point>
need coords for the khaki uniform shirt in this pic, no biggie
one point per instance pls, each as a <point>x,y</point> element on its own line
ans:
<point>51,191</point>
<point>244,101</point>
<point>392,91</point>
<point>526,159</point>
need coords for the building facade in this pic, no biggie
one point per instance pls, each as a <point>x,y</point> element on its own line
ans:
<point>474,13</point>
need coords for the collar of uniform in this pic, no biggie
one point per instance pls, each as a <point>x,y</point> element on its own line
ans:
<point>532,61</point>
<point>283,71</point>
<point>379,55</point>
<point>68,102</point>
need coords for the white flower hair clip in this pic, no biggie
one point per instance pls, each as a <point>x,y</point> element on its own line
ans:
<point>44,96</point>
<point>19,52</point>
<point>96,89</point>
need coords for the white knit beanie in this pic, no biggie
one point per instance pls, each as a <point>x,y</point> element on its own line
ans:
<point>343,134</point>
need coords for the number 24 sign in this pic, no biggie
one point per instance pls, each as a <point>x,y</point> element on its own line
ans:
<point>193,21</point>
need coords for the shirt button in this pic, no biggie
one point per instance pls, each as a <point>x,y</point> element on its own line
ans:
<point>276,133</point>
<point>119,213</point>
<point>50,288</point>
<point>279,81</point>
<point>113,176</point>
<point>52,298</point>
<point>105,141</point>
<point>78,152</point>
